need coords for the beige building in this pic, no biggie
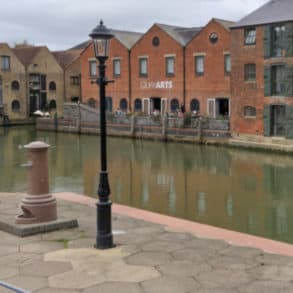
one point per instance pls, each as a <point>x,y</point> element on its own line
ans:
<point>12,85</point>
<point>70,62</point>
<point>45,81</point>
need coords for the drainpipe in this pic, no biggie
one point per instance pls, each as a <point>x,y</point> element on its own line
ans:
<point>184,77</point>
<point>129,81</point>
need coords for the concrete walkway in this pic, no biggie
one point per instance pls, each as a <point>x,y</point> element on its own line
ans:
<point>148,258</point>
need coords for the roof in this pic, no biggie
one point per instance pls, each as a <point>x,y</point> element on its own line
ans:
<point>65,58</point>
<point>27,54</point>
<point>271,12</point>
<point>225,23</point>
<point>181,34</point>
<point>127,38</point>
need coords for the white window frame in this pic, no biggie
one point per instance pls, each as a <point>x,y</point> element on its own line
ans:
<point>116,67</point>
<point>212,115</point>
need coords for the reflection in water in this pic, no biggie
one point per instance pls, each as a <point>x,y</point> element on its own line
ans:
<point>235,189</point>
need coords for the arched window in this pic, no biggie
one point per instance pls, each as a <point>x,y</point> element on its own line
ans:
<point>137,105</point>
<point>74,99</point>
<point>249,111</point>
<point>109,104</point>
<point>92,102</point>
<point>52,104</point>
<point>194,105</point>
<point>15,85</point>
<point>52,86</point>
<point>174,105</point>
<point>15,106</point>
<point>123,104</point>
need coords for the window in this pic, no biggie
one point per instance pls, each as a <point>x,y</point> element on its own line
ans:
<point>92,102</point>
<point>250,36</point>
<point>278,81</point>
<point>93,68</point>
<point>5,64</point>
<point>194,105</point>
<point>75,80</point>
<point>116,67</point>
<point>123,104</point>
<point>109,104</point>
<point>52,105</point>
<point>15,106</point>
<point>137,105</point>
<point>279,37</point>
<point>156,41</point>
<point>143,66</point>
<point>227,61</point>
<point>15,85</point>
<point>199,65</point>
<point>249,72</point>
<point>249,112</point>
<point>52,86</point>
<point>213,38</point>
<point>170,64</point>
<point>174,105</point>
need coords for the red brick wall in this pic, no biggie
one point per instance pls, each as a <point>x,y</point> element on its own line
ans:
<point>156,66</point>
<point>117,90</point>
<point>247,93</point>
<point>214,83</point>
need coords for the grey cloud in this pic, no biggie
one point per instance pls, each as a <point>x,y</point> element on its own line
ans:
<point>60,24</point>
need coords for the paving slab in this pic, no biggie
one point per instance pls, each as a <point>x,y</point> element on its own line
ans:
<point>149,257</point>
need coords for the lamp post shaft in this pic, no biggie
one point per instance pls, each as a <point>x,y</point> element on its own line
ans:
<point>104,236</point>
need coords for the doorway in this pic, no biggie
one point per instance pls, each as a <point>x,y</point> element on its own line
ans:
<point>278,120</point>
<point>155,104</point>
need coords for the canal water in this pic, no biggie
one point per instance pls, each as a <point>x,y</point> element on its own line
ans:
<point>240,190</point>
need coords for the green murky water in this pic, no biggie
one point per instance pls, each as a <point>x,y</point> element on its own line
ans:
<point>243,191</point>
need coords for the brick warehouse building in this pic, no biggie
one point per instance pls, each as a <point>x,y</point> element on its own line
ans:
<point>208,70</point>
<point>118,69</point>
<point>157,68</point>
<point>262,71</point>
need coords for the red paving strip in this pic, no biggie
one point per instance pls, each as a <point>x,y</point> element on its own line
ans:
<point>201,230</point>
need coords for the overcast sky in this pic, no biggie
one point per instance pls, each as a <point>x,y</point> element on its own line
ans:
<point>61,24</point>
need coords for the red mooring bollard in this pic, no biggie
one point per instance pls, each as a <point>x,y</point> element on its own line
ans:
<point>38,206</point>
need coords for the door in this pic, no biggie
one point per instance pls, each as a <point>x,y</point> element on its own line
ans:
<point>109,104</point>
<point>164,106</point>
<point>146,106</point>
<point>33,103</point>
<point>1,93</point>
<point>211,111</point>
<point>278,120</point>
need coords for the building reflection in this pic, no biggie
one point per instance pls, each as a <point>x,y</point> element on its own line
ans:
<point>235,189</point>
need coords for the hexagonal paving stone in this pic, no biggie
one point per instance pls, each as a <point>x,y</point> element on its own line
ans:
<point>231,262</point>
<point>216,290</point>
<point>92,267</point>
<point>277,273</point>
<point>63,234</point>
<point>7,271</point>
<point>148,258</point>
<point>120,287</point>
<point>223,278</point>
<point>82,243</point>
<point>41,247</point>
<point>54,290</point>
<point>183,268</point>
<point>45,269</point>
<point>164,246</point>
<point>191,254</point>
<point>20,259</point>
<point>267,286</point>
<point>207,244</point>
<point>175,236</point>
<point>8,249</point>
<point>28,283</point>
<point>170,285</point>
<point>238,251</point>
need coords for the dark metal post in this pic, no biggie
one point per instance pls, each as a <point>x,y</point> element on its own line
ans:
<point>104,237</point>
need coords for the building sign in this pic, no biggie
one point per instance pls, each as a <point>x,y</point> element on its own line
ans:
<point>166,84</point>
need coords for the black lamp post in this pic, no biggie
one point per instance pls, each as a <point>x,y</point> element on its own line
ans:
<point>104,238</point>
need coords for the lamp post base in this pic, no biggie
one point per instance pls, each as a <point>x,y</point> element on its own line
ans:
<point>104,237</point>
